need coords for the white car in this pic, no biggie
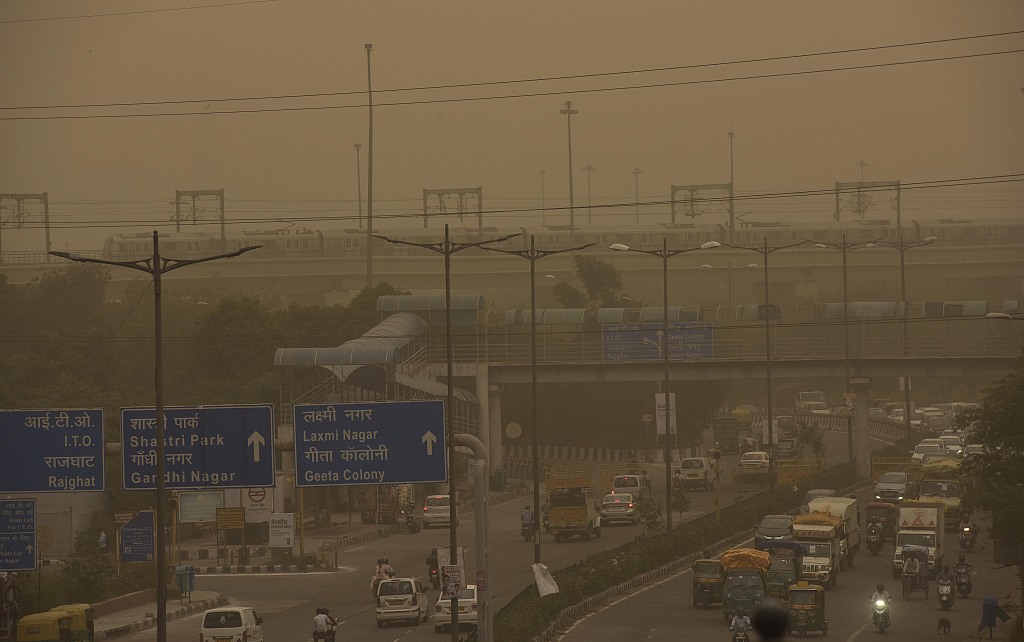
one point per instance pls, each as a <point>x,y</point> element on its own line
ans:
<point>697,471</point>
<point>401,599</point>
<point>468,615</point>
<point>922,449</point>
<point>754,459</point>
<point>231,624</point>
<point>437,509</point>
<point>952,443</point>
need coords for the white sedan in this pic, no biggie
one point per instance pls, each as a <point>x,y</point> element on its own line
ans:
<point>467,609</point>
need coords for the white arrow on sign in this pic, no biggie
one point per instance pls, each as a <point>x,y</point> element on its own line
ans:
<point>429,439</point>
<point>29,549</point>
<point>256,440</point>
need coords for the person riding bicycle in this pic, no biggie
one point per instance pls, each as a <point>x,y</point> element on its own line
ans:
<point>911,569</point>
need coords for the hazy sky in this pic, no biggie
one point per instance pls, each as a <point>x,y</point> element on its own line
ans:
<point>959,116</point>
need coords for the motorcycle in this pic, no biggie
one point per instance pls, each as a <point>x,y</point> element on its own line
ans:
<point>875,538</point>
<point>967,537</point>
<point>880,615</point>
<point>435,580</point>
<point>545,522</point>
<point>946,594</point>
<point>328,635</point>
<point>741,633</point>
<point>527,531</point>
<point>412,523</point>
<point>963,580</point>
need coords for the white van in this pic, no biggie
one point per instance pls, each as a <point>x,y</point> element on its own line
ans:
<point>231,623</point>
<point>401,599</point>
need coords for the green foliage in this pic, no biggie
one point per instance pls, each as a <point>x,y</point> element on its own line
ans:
<point>601,280</point>
<point>569,297</point>
<point>997,425</point>
<point>680,498</point>
<point>810,436</point>
<point>652,516</point>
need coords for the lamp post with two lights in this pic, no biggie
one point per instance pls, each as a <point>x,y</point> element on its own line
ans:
<point>447,247</point>
<point>665,254</point>
<point>765,251</point>
<point>532,255</point>
<point>156,266</point>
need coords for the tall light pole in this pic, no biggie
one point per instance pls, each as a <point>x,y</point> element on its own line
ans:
<point>729,267</point>
<point>589,169</point>
<point>543,201</point>
<point>532,255</point>
<point>369,172</point>
<point>845,247</point>
<point>155,267</point>
<point>732,192</point>
<point>636,172</point>
<point>902,245</point>
<point>765,251</point>
<point>569,112</point>
<point>447,248</point>
<point>359,185</point>
<point>665,254</point>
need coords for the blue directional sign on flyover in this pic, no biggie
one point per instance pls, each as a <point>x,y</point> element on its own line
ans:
<point>17,535</point>
<point>393,442</point>
<point>204,447</point>
<point>643,341</point>
<point>51,451</point>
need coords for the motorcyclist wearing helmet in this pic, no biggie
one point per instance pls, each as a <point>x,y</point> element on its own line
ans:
<point>962,565</point>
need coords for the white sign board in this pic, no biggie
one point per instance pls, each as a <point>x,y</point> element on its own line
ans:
<point>258,504</point>
<point>282,530</point>
<point>659,402</point>
<point>199,506</point>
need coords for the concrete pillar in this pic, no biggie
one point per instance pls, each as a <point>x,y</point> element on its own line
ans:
<point>861,386</point>
<point>495,453</point>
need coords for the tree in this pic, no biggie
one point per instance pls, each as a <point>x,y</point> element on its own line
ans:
<point>997,425</point>
<point>600,279</point>
<point>809,435</point>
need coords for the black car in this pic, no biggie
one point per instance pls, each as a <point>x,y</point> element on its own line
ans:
<point>774,527</point>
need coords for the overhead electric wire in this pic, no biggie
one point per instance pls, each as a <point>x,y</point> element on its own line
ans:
<point>336,94</point>
<point>560,92</point>
<point>111,14</point>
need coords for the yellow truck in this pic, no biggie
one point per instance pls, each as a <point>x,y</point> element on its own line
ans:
<point>821,540</point>
<point>571,513</point>
<point>941,482</point>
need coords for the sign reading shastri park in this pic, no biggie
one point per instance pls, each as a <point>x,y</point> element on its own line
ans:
<point>51,451</point>
<point>393,442</point>
<point>204,447</point>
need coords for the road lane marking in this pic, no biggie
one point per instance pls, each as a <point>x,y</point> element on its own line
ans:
<point>853,636</point>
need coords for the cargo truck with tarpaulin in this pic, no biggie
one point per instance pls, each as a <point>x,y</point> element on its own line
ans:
<point>786,559</point>
<point>726,432</point>
<point>941,482</point>
<point>570,512</point>
<point>818,534</point>
<point>846,510</point>
<point>744,588</point>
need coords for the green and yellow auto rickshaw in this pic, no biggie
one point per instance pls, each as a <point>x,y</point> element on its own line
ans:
<point>806,604</point>
<point>83,621</point>
<point>707,582</point>
<point>49,626</point>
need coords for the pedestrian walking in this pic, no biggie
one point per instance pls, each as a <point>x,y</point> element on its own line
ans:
<point>102,543</point>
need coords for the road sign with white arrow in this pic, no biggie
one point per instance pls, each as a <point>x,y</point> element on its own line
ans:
<point>18,535</point>
<point>204,447</point>
<point>393,442</point>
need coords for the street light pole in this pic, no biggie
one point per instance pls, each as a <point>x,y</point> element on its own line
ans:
<point>636,172</point>
<point>359,185</point>
<point>569,111</point>
<point>369,171</point>
<point>589,169</point>
<point>532,255</point>
<point>664,254</point>
<point>765,251</point>
<point>446,247</point>
<point>155,267</point>
<point>543,201</point>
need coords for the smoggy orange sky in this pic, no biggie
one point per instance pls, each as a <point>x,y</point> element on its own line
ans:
<point>274,97</point>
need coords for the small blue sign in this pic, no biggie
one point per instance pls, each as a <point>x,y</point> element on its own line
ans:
<point>17,535</point>
<point>204,447</point>
<point>137,538</point>
<point>51,451</point>
<point>644,341</point>
<point>394,442</point>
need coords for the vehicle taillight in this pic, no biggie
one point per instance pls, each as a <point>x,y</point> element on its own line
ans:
<point>424,509</point>
<point>630,504</point>
<point>414,598</point>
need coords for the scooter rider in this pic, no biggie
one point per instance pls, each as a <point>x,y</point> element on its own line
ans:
<point>962,565</point>
<point>323,622</point>
<point>945,575</point>
<point>882,594</point>
<point>526,519</point>
<point>740,619</point>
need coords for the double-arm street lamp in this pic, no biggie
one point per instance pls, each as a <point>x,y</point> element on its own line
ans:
<point>902,245</point>
<point>447,248</point>
<point>155,267</point>
<point>569,113</point>
<point>532,255</point>
<point>665,254</point>
<point>845,247</point>
<point>765,251</point>
<point>728,272</point>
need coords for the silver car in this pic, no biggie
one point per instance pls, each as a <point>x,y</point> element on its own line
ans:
<point>618,507</point>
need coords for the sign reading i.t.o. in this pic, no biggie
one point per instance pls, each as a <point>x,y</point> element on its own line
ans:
<point>395,442</point>
<point>51,451</point>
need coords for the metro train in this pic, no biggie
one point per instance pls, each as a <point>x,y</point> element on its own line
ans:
<point>295,242</point>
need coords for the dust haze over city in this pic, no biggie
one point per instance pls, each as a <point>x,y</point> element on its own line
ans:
<point>274,99</point>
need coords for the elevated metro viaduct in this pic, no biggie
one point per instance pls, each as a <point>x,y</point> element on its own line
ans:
<point>404,358</point>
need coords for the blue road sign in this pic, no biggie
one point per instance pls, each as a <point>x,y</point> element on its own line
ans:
<point>17,535</point>
<point>204,447</point>
<point>137,538</point>
<point>643,341</point>
<point>394,442</point>
<point>51,451</point>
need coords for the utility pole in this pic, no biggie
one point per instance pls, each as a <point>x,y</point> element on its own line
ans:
<point>369,173</point>
<point>732,193</point>
<point>636,187</point>
<point>569,111</point>
<point>359,185</point>
<point>543,203</point>
<point>589,169</point>
<point>19,217</point>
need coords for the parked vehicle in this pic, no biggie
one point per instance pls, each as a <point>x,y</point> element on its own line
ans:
<point>48,626</point>
<point>83,621</point>
<point>806,605</point>
<point>708,577</point>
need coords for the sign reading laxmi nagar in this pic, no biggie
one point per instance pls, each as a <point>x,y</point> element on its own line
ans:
<point>51,451</point>
<point>644,341</point>
<point>204,447</point>
<point>393,442</point>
